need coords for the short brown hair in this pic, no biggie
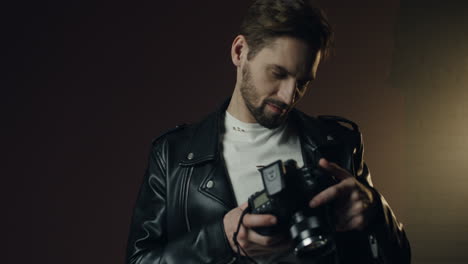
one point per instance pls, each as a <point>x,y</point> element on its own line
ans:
<point>269,19</point>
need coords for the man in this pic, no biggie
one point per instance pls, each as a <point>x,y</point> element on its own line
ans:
<point>191,203</point>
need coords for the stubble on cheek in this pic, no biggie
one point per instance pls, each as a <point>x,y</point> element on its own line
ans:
<point>267,118</point>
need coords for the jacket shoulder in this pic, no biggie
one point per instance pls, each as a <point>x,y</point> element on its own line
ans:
<point>331,125</point>
<point>338,139</point>
<point>339,123</point>
<point>173,134</point>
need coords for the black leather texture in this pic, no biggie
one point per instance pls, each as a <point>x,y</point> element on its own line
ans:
<point>178,217</point>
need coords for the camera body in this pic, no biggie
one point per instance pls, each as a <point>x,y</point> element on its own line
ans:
<point>288,191</point>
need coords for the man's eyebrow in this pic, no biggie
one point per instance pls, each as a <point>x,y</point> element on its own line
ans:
<point>278,67</point>
<point>283,69</point>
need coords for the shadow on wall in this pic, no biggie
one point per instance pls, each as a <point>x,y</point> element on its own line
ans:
<point>431,69</point>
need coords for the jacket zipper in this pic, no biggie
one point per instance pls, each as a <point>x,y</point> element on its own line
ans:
<point>374,247</point>
<point>186,194</point>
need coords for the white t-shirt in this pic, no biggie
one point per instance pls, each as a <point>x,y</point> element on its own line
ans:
<point>249,146</point>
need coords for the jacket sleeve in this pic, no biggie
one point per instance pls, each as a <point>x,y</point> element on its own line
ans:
<point>384,240</point>
<point>148,241</point>
<point>387,237</point>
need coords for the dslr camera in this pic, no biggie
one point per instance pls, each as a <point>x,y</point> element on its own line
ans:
<point>286,195</point>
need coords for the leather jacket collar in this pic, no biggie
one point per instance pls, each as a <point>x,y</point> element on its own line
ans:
<point>204,146</point>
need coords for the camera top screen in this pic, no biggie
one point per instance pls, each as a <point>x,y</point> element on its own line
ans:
<point>261,199</point>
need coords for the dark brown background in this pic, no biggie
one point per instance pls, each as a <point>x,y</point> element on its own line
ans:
<point>88,85</point>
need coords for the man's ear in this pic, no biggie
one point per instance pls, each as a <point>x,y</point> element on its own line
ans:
<point>239,50</point>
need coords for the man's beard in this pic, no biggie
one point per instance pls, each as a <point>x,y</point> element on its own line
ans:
<point>249,95</point>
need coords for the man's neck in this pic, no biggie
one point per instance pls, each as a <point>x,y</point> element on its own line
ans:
<point>238,109</point>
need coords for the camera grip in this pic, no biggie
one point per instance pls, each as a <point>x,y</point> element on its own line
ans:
<point>260,203</point>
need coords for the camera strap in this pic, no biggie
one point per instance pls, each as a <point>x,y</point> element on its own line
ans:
<point>247,258</point>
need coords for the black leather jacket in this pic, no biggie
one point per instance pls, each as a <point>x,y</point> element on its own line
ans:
<point>178,217</point>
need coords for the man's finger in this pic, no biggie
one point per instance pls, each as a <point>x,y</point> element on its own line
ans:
<point>243,206</point>
<point>334,169</point>
<point>258,220</point>
<point>329,194</point>
<point>356,223</point>
<point>354,210</point>
<point>265,240</point>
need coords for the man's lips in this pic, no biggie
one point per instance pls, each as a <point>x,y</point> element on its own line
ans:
<point>276,108</point>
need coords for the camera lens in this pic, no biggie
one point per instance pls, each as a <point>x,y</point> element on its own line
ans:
<point>309,232</point>
<point>311,243</point>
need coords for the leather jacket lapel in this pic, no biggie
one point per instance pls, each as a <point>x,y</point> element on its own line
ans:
<point>310,137</point>
<point>205,155</point>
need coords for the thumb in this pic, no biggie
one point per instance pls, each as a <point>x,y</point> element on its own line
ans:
<point>243,206</point>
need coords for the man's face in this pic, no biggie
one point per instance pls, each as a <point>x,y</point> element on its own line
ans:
<point>277,78</point>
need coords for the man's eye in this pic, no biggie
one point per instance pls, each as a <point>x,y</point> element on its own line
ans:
<point>279,75</point>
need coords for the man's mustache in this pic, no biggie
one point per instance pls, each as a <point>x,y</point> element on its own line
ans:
<point>277,103</point>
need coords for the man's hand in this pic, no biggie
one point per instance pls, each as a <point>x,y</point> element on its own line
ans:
<point>251,242</point>
<point>354,203</point>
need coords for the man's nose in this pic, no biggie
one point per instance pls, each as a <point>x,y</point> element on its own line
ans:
<point>287,91</point>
